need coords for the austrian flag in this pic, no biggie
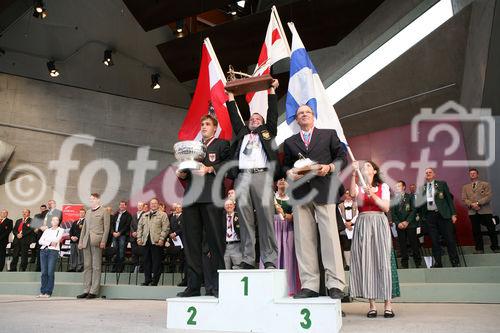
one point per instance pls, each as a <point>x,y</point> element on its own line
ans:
<point>209,93</point>
<point>274,49</point>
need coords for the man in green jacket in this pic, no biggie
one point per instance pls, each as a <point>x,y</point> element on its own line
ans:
<point>401,209</point>
<point>435,204</point>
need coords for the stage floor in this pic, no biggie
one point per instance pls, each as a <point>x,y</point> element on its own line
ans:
<point>59,314</point>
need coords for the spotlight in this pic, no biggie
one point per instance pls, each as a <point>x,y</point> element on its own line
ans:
<point>155,78</point>
<point>51,66</point>
<point>179,26</point>
<point>38,5</point>
<point>39,9</point>
<point>108,60</point>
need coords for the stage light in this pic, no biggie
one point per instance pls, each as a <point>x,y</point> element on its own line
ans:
<point>108,60</point>
<point>179,26</point>
<point>39,6</point>
<point>155,81</point>
<point>51,66</point>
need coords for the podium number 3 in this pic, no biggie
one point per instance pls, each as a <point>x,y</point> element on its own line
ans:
<point>245,285</point>
<point>306,324</point>
<point>193,312</point>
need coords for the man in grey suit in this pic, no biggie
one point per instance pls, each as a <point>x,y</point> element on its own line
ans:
<point>476,195</point>
<point>93,240</point>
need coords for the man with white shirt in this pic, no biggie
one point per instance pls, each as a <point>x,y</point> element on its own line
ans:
<point>135,249</point>
<point>120,226</point>
<point>76,255</point>
<point>257,168</point>
<point>349,213</point>
<point>232,255</point>
<point>434,203</point>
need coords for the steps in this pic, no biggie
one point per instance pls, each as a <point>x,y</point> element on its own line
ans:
<point>254,301</point>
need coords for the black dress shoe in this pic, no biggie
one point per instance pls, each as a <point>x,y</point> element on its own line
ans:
<point>437,266</point>
<point>91,296</point>
<point>84,295</point>
<point>209,293</point>
<point>335,293</point>
<point>71,270</point>
<point>189,293</point>
<point>12,270</point>
<point>183,283</point>
<point>80,270</point>
<point>305,293</point>
<point>145,283</point>
<point>269,265</point>
<point>457,264</point>
<point>244,265</point>
<point>154,284</point>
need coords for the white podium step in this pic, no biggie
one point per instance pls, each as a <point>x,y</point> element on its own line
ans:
<point>254,301</point>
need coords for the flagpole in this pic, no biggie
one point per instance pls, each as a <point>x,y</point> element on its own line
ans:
<point>349,151</point>
<point>274,11</point>
<point>211,51</point>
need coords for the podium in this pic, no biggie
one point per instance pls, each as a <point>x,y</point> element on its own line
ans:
<point>254,301</point>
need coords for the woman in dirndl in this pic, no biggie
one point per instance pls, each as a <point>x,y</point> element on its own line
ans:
<point>370,276</point>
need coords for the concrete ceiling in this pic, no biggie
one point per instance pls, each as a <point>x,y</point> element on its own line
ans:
<point>75,35</point>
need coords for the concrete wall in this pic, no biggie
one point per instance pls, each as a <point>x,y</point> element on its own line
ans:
<point>37,117</point>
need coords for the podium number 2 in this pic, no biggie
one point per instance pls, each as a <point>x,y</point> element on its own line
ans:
<point>245,285</point>
<point>193,312</point>
<point>306,324</point>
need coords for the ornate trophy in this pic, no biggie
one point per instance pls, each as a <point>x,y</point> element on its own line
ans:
<point>189,154</point>
<point>245,83</point>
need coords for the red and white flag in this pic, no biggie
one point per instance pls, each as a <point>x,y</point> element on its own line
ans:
<point>209,91</point>
<point>275,48</point>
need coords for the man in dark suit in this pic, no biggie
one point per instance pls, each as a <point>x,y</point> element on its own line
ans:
<point>313,213</point>
<point>200,212</point>
<point>135,249</point>
<point>120,227</point>
<point>176,234</point>
<point>257,167</point>
<point>407,230</point>
<point>76,255</point>
<point>233,255</point>
<point>5,230</point>
<point>22,239</point>
<point>434,203</point>
<point>38,220</point>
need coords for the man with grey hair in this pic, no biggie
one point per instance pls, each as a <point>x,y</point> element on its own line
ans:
<point>5,230</point>
<point>257,166</point>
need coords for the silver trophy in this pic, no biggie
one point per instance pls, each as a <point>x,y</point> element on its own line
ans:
<point>189,154</point>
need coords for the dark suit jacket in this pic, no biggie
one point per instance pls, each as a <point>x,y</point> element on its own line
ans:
<point>124,226</point>
<point>442,197</point>
<point>176,225</point>
<point>236,224</point>
<point>134,223</point>
<point>267,132</point>
<point>76,229</point>
<point>50,215</point>
<point>27,229</point>
<point>324,148</point>
<point>217,154</point>
<point>401,211</point>
<point>5,230</point>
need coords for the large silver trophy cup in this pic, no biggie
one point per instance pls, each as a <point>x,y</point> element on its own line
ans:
<point>189,154</point>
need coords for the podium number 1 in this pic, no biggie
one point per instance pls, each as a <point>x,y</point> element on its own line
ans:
<point>245,285</point>
<point>193,312</point>
<point>306,324</point>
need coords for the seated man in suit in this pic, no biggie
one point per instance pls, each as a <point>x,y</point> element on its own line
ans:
<point>22,239</point>
<point>257,167</point>
<point>313,213</point>
<point>5,230</point>
<point>434,203</point>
